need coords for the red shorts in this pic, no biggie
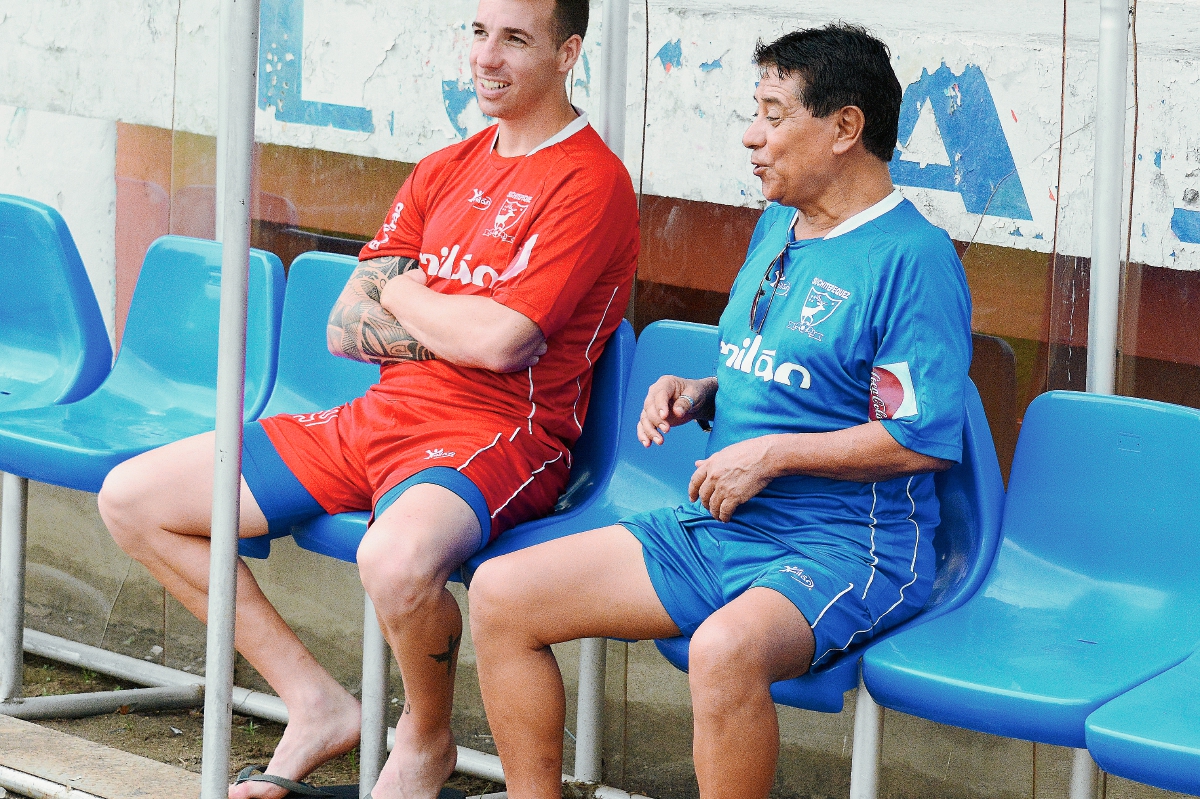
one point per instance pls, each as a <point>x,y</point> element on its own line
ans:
<point>350,456</point>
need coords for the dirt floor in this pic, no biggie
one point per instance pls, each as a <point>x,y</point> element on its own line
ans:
<point>175,737</point>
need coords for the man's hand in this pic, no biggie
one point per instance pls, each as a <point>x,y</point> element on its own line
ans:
<point>673,401</point>
<point>727,478</point>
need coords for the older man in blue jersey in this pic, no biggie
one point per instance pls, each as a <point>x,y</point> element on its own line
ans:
<point>839,390</point>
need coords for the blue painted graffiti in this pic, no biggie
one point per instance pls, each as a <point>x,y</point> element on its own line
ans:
<point>280,50</point>
<point>977,162</point>
<point>586,82</point>
<point>1186,225</point>
<point>670,55</point>
<point>457,96</point>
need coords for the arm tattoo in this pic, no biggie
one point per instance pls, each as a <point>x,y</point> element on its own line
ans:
<point>450,656</point>
<point>359,327</point>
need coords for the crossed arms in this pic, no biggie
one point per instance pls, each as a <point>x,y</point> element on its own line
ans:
<point>386,315</point>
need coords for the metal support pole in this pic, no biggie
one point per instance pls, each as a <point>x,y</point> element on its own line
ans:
<point>372,746</point>
<point>614,70</point>
<point>589,719</point>
<point>1111,82</point>
<point>239,60</point>
<point>98,703</point>
<point>1083,775</point>
<point>868,744</point>
<point>12,583</point>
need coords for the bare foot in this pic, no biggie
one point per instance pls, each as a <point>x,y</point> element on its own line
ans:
<point>417,767</point>
<point>318,730</point>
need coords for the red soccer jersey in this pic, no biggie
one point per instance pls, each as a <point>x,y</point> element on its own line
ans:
<point>552,235</point>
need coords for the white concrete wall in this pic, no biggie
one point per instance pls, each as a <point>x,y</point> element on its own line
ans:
<point>392,80</point>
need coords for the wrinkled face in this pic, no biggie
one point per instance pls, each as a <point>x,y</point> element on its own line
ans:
<point>791,151</point>
<point>514,61</point>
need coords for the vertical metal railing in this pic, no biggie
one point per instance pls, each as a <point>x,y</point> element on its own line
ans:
<point>614,62</point>
<point>238,62</point>
<point>1107,193</point>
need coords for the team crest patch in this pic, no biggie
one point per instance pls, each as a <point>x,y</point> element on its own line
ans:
<point>892,392</point>
<point>508,215</point>
<point>822,300</point>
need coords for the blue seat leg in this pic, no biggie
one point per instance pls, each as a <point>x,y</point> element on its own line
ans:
<point>12,584</point>
<point>868,743</point>
<point>372,746</point>
<point>589,725</point>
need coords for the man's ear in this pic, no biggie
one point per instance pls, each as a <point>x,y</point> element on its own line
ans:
<point>568,53</point>
<point>849,122</point>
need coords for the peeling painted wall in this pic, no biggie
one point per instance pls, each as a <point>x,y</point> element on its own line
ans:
<point>979,135</point>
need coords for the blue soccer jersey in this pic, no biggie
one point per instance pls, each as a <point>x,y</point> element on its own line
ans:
<point>872,322</point>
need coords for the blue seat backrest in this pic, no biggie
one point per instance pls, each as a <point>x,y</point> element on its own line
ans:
<point>658,476</point>
<point>309,378</point>
<point>1105,488</point>
<point>53,344</point>
<point>971,499</point>
<point>593,456</point>
<point>170,337</point>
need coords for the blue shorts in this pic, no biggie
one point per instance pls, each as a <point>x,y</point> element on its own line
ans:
<point>847,594</point>
<point>286,502</point>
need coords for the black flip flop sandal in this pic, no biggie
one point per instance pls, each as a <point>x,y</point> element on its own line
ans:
<point>259,774</point>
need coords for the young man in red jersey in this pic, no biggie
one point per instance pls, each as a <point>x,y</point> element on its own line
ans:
<point>501,269</point>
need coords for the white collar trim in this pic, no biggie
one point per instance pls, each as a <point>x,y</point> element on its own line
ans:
<point>867,215</point>
<point>577,124</point>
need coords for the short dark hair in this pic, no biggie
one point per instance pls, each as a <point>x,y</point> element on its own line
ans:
<point>840,65</point>
<point>570,17</point>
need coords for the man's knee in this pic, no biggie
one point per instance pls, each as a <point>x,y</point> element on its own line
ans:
<point>727,657</point>
<point>397,573</point>
<point>492,599</point>
<point>126,505</point>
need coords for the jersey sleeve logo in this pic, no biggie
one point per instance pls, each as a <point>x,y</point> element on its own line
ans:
<point>892,393</point>
<point>508,215</point>
<point>388,227</point>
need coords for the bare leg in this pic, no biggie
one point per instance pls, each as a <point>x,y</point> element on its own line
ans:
<point>405,560</point>
<point>737,653</point>
<point>158,508</point>
<point>587,585</point>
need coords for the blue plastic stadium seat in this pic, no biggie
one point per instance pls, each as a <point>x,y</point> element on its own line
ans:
<point>53,345</point>
<point>1093,588</point>
<point>971,495</point>
<point>309,378</point>
<point>1152,733</point>
<point>163,385</point>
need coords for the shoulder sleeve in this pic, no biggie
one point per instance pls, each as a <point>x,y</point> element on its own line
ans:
<point>404,225</point>
<point>921,324</point>
<point>586,223</point>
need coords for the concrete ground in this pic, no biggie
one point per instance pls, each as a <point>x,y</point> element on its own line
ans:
<point>82,587</point>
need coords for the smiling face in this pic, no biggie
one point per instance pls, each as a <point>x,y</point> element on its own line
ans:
<point>793,153</point>
<point>517,67</point>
